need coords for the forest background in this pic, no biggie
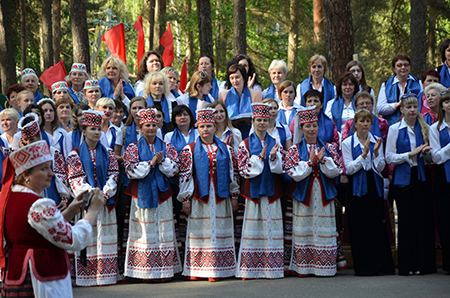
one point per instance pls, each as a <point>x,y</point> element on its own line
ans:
<point>39,33</point>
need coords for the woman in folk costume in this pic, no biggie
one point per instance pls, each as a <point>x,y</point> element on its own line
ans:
<point>364,161</point>
<point>407,148</point>
<point>260,157</point>
<point>36,233</point>
<point>76,78</point>
<point>312,165</point>
<point>209,190</point>
<point>58,191</point>
<point>439,141</point>
<point>151,249</point>
<point>92,165</point>
<point>30,81</point>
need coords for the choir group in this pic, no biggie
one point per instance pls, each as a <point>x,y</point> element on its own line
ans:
<point>230,180</point>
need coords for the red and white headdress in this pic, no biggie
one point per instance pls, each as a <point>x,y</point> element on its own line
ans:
<point>60,85</point>
<point>308,115</point>
<point>89,84</point>
<point>147,116</point>
<point>261,110</point>
<point>205,116</point>
<point>92,118</point>
<point>78,67</point>
<point>30,156</point>
<point>28,72</point>
<point>31,129</point>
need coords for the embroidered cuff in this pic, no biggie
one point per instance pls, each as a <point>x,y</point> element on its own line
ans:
<point>186,200</point>
<point>235,196</point>
<point>261,157</point>
<point>64,199</point>
<point>273,159</point>
<point>309,163</point>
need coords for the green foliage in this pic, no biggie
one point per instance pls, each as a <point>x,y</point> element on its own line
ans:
<point>381,30</point>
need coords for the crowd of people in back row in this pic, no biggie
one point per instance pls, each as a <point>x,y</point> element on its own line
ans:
<point>226,179</point>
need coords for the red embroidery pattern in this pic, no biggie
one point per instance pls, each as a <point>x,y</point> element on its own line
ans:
<point>185,161</point>
<point>243,161</point>
<point>292,159</point>
<point>36,216</point>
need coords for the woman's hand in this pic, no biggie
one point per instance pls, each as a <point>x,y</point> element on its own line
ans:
<point>312,156</point>
<point>343,179</point>
<point>366,148</point>
<point>321,154</point>
<point>251,81</point>
<point>118,92</point>
<point>229,140</point>
<point>187,208</point>
<point>263,152</point>
<point>377,146</point>
<point>273,152</point>
<point>157,158</point>
<point>416,151</point>
<point>62,206</point>
<point>426,149</point>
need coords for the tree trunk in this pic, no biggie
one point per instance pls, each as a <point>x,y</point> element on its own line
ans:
<point>160,26</point>
<point>7,61</point>
<point>205,27</point>
<point>80,33</point>
<point>294,9</point>
<point>23,34</point>
<point>432,60</point>
<point>318,19</point>
<point>46,35</point>
<point>189,38</point>
<point>56,31</point>
<point>221,38</point>
<point>150,12</point>
<point>418,37</point>
<point>239,28</point>
<point>339,36</point>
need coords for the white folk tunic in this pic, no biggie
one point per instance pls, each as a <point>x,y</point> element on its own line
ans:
<point>151,248</point>
<point>101,266</point>
<point>262,251</point>
<point>314,236</point>
<point>210,250</point>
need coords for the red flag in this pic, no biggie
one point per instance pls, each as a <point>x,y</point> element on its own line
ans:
<point>183,77</point>
<point>141,39</point>
<point>54,74</point>
<point>167,42</point>
<point>114,39</point>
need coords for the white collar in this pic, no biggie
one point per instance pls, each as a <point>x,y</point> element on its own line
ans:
<point>396,80</point>
<point>356,141</point>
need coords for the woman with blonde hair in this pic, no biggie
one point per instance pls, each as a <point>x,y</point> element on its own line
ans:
<point>407,148</point>
<point>197,95</point>
<point>113,80</point>
<point>156,92</point>
<point>317,81</point>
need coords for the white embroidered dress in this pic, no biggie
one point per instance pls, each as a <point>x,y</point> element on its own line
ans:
<point>152,251</point>
<point>101,266</point>
<point>314,236</point>
<point>210,251</point>
<point>261,251</point>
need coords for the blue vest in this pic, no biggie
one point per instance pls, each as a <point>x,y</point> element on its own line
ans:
<point>155,182</point>
<point>445,76</point>
<point>271,91</point>
<point>327,90</point>
<point>238,105</point>
<point>326,127</point>
<point>402,172</point>
<point>73,96</point>
<point>392,95</point>
<point>329,190</point>
<point>336,111</point>
<point>360,178</point>
<point>282,115</point>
